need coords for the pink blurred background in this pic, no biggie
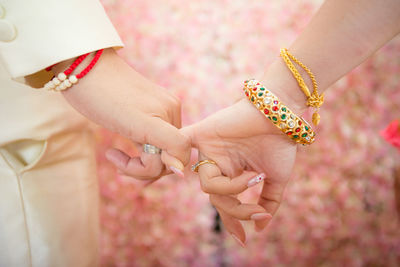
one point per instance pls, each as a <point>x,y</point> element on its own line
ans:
<point>342,205</point>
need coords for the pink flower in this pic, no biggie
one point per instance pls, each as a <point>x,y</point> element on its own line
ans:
<point>392,134</point>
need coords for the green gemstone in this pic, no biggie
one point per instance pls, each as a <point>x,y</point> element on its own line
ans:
<point>262,88</point>
<point>252,99</point>
<point>260,94</point>
<point>304,135</point>
<point>283,116</point>
<point>284,109</point>
<point>306,128</point>
<point>295,136</point>
<point>274,118</point>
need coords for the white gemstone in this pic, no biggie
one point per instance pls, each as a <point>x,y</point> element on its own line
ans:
<point>308,138</point>
<point>291,124</point>
<point>67,83</point>
<point>61,87</point>
<point>258,105</point>
<point>73,79</point>
<point>267,100</point>
<point>292,116</point>
<point>282,125</point>
<point>51,85</point>
<point>56,81</point>
<point>252,82</point>
<point>61,76</point>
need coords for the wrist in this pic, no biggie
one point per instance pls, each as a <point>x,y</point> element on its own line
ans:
<point>278,79</point>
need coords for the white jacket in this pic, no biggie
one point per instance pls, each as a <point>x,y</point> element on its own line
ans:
<point>37,34</point>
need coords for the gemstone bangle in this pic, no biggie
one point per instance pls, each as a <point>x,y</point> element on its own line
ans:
<point>295,127</point>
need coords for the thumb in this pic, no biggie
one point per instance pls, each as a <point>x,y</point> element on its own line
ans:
<point>175,146</point>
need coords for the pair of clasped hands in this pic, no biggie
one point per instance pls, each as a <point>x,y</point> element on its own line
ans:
<point>246,146</point>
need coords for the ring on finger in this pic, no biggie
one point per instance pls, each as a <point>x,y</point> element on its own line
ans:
<point>196,166</point>
<point>150,149</point>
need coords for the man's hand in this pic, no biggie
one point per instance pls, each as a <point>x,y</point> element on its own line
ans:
<point>118,98</point>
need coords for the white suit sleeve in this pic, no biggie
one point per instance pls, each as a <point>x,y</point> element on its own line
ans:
<point>38,34</point>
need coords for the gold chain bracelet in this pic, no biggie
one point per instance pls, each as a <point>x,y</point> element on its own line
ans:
<point>282,117</point>
<point>313,99</point>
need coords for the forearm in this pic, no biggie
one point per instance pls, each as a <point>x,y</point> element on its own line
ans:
<point>340,36</point>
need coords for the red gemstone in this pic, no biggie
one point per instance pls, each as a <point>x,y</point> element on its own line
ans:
<point>299,122</point>
<point>266,111</point>
<point>255,89</point>
<point>247,93</point>
<point>276,102</point>
<point>258,83</point>
<point>298,130</point>
<point>275,108</point>
<point>289,133</point>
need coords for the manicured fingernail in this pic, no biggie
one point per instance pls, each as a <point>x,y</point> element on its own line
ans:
<point>238,240</point>
<point>259,178</point>
<point>260,216</point>
<point>177,171</point>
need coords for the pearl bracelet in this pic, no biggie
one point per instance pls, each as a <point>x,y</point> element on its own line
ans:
<point>62,81</point>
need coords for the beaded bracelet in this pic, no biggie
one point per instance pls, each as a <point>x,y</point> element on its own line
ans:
<point>62,81</point>
<point>288,122</point>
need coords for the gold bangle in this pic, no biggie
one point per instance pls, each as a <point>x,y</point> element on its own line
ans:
<point>295,127</point>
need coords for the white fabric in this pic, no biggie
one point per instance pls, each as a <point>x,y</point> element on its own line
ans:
<point>50,31</point>
<point>48,184</point>
<point>49,202</point>
<point>27,113</point>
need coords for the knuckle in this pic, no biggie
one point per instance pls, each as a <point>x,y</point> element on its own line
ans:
<point>205,187</point>
<point>152,171</point>
<point>235,188</point>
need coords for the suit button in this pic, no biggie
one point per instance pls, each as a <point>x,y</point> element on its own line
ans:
<point>7,31</point>
<point>2,12</point>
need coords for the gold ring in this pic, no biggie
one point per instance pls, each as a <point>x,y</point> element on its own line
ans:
<point>196,166</point>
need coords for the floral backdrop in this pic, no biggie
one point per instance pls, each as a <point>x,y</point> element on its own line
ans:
<point>342,205</point>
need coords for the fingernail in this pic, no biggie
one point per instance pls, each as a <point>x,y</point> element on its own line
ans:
<point>260,216</point>
<point>177,171</point>
<point>238,240</point>
<point>259,178</point>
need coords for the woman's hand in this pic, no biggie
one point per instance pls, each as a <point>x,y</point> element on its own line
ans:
<point>246,148</point>
<point>120,99</point>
